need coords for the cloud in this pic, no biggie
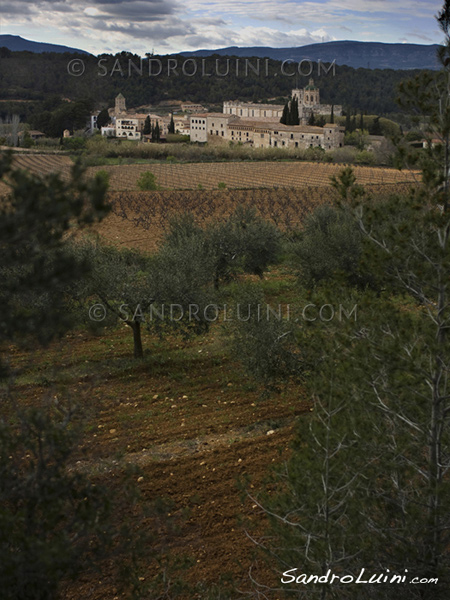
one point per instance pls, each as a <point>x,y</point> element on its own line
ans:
<point>420,36</point>
<point>176,25</point>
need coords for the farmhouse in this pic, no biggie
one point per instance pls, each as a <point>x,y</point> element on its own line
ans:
<point>128,128</point>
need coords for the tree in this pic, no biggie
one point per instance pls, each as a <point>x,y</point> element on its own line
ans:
<point>35,218</point>
<point>395,362</point>
<point>242,243</point>
<point>329,243</point>
<point>103,118</point>
<point>312,119</point>
<point>285,116</point>
<point>119,279</point>
<point>171,128</point>
<point>332,114</point>
<point>147,126</point>
<point>294,116</point>
<point>53,521</point>
<point>376,127</point>
<point>156,133</point>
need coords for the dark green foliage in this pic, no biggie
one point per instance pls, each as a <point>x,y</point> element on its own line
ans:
<point>243,242</point>
<point>119,280</point>
<point>103,118</point>
<point>53,521</point>
<point>329,243</point>
<point>34,264</point>
<point>285,116</point>
<point>147,126</point>
<point>147,182</point>
<point>171,128</point>
<point>264,342</point>
<point>156,132</point>
<point>312,120</point>
<point>294,116</point>
<point>376,127</point>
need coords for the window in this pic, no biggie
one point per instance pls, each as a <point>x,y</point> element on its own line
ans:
<point>292,136</point>
<point>296,144</point>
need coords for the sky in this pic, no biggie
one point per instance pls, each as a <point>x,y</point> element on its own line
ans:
<point>168,26</point>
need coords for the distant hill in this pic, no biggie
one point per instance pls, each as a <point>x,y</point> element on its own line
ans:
<point>372,55</point>
<point>19,44</point>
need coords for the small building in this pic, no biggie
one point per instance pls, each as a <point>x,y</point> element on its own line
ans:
<point>198,129</point>
<point>66,133</point>
<point>192,107</point>
<point>128,128</point>
<point>33,133</point>
<point>108,131</point>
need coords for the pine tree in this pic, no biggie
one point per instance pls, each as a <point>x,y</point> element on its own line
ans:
<point>294,120</point>
<point>103,118</point>
<point>157,132</point>
<point>332,114</point>
<point>171,128</point>
<point>147,126</point>
<point>285,116</point>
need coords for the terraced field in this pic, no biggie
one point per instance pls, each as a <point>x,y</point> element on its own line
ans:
<point>245,175</point>
<point>235,175</point>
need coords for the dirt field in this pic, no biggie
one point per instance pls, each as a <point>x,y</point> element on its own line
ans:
<point>235,175</point>
<point>189,418</point>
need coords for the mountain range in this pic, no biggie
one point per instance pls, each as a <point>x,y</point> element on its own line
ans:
<point>369,55</point>
<point>19,44</point>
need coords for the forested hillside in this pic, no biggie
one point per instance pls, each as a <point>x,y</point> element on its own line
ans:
<point>29,76</point>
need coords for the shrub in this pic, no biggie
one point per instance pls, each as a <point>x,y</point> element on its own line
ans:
<point>329,243</point>
<point>147,181</point>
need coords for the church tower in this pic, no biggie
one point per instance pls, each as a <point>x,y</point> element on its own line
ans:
<point>120,106</point>
<point>311,94</point>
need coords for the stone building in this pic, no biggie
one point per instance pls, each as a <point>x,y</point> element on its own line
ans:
<point>249,110</point>
<point>198,130</point>
<point>120,105</point>
<point>128,128</point>
<point>308,103</point>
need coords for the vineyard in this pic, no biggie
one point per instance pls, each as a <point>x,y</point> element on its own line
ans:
<point>235,175</point>
<point>139,219</point>
<point>244,175</point>
<point>282,192</point>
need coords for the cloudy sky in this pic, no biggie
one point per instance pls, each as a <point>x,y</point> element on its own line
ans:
<point>167,26</point>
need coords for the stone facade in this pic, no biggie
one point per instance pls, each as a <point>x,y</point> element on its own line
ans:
<point>128,128</point>
<point>120,105</point>
<point>198,129</point>
<point>308,103</point>
<point>248,110</point>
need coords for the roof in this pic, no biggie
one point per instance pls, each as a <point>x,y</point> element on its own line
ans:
<point>252,105</point>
